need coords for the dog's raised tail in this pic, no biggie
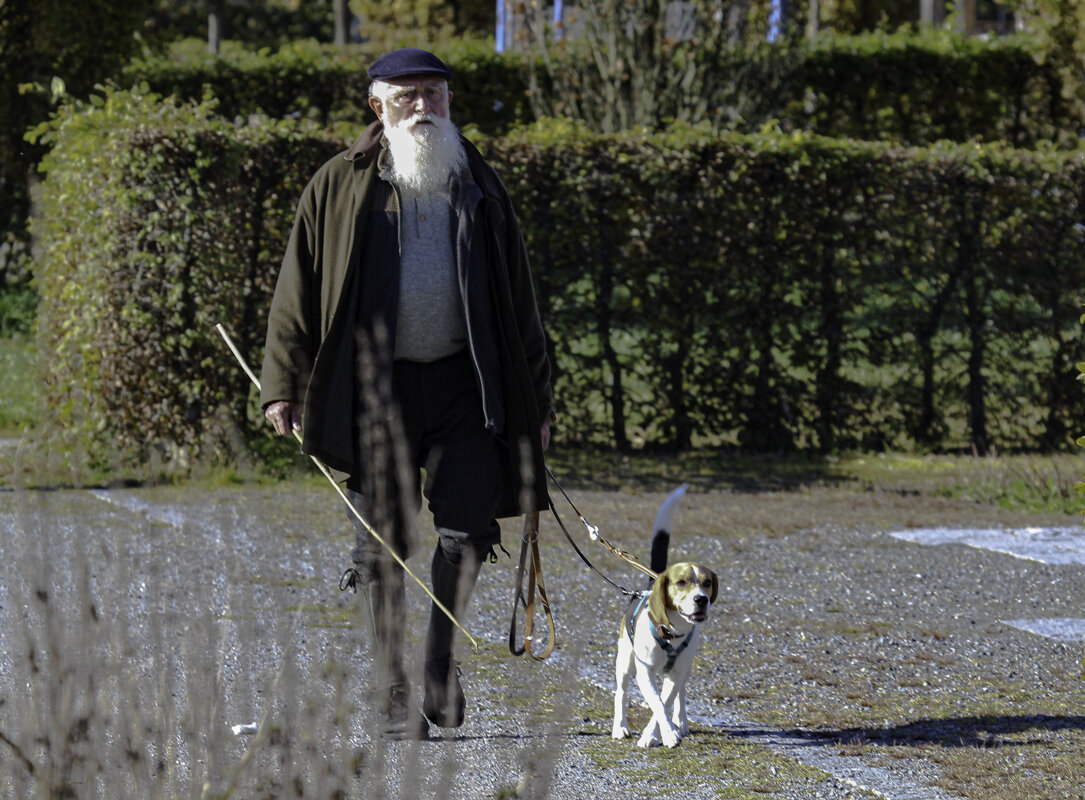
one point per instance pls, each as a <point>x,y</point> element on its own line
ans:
<point>661,531</point>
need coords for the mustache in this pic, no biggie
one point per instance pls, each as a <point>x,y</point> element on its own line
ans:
<point>418,119</point>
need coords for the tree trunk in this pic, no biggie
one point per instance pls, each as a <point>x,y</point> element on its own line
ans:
<point>342,22</point>
<point>976,320</point>
<point>215,24</point>
<point>610,357</point>
<point>925,431</point>
<point>832,333</point>
<point>683,425</point>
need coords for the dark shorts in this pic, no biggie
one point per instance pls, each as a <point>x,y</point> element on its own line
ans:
<point>436,426</point>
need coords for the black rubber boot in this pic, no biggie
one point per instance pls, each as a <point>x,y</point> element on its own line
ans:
<point>453,582</point>
<point>385,599</point>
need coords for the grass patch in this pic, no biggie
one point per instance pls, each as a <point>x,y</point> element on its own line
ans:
<point>732,767</point>
<point>1042,483</point>
<point>322,615</point>
<point>1031,483</point>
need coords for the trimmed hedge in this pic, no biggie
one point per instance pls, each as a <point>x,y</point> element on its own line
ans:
<point>325,83</point>
<point>904,87</point>
<point>772,292</point>
<point>790,291</point>
<point>158,221</point>
<point>918,89</point>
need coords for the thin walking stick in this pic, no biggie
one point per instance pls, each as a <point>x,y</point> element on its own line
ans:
<point>353,510</point>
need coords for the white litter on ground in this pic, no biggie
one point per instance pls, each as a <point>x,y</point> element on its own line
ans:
<point>1066,629</point>
<point>1058,546</point>
<point>1046,545</point>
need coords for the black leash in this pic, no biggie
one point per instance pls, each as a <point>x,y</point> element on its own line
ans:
<point>584,558</point>
<point>593,533</point>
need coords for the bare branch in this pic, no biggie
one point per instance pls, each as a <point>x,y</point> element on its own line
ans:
<point>620,64</point>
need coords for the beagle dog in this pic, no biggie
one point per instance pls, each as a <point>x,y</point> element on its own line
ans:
<point>660,638</point>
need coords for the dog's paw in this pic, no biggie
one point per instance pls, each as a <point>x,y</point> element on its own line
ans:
<point>620,732</point>
<point>671,738</point>
<point>650,738</point>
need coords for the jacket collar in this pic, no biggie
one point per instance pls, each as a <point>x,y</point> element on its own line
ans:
<point>367,145</point>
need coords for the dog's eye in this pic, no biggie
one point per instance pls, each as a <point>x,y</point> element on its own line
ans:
<point>682,582</point>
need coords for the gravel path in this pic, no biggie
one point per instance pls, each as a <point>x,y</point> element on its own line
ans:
<point>840,661</point>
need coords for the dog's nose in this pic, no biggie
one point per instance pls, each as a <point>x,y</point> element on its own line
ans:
<point>701,600</point>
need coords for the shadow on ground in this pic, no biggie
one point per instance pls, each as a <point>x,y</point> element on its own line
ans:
<point>982,732</point>
<point>706,470</point>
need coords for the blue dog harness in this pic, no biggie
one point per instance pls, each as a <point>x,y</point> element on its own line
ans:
<point>671,651</point>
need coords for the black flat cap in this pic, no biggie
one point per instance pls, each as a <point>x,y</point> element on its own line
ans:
<point>409,61</point>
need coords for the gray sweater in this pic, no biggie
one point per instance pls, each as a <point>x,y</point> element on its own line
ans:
<point>429,322</point>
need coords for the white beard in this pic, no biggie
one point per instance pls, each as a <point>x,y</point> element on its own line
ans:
<point>424,157</point>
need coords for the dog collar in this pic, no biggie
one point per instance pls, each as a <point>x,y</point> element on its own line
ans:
<point>671,651</point>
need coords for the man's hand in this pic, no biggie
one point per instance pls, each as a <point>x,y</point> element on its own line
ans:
<point>284,416</point>
<point>544,435</point>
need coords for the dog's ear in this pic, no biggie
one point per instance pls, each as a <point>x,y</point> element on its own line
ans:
<point>658,601</point>
<point>715,587</point>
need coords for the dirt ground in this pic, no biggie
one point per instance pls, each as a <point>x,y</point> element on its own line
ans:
<point>140,625</point>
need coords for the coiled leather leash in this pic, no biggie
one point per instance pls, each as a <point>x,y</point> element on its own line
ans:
<point>529,549</point>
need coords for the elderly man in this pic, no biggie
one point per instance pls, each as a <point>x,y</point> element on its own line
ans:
<point>404,336</point>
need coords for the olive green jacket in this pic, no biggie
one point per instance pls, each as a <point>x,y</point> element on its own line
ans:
<point>327,290</point>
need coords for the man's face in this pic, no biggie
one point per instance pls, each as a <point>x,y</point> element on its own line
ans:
<point>413,102</point>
